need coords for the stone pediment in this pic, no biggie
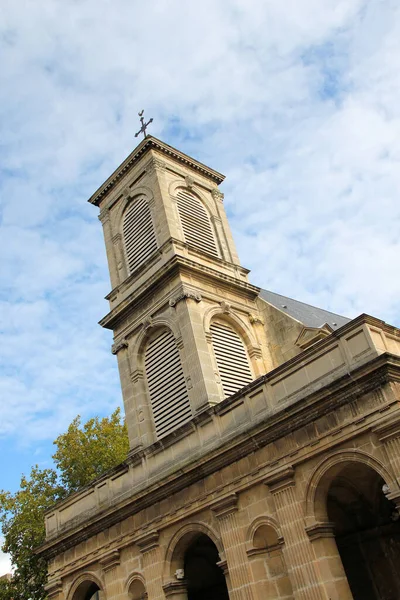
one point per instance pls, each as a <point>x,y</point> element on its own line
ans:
<point>310,335</point>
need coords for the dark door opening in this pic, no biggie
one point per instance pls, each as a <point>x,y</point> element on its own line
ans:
<point>367,532</point>
<point>205,580</point>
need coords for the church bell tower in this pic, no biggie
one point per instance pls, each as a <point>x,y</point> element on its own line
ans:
<point>187,332</point>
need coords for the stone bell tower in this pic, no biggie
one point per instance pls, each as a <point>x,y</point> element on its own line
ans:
<point>187,331</point>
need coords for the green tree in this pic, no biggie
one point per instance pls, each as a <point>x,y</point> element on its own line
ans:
<point>83,453</point>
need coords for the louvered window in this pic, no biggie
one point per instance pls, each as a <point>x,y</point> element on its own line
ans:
<point>140,240</point>
<point>231,356</point>
<point>166,382</point>
<point>196,223</point>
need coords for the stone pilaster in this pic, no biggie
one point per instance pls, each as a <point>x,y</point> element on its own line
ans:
<point>112,580</point>
<point>328,560</point>
<point>152,564</point>
<point>176,590</point>
<point>54,589</point>
<point>297,549</point>
<point>225,510</point>
<point>104,217</point>
<point>388,432</point>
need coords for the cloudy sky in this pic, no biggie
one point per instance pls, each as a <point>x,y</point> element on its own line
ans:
<point>296,101</point>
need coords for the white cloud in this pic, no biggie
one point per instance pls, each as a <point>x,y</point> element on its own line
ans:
<point>297,101</point>
<point>5,562</point>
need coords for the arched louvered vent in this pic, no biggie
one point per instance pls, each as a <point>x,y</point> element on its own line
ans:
<point>167,386</point>
<point>140,240</point>
<point>231,356</point>
<point>196,223</point>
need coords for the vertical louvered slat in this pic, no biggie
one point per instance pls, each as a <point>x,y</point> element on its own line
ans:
<point>231,356</point>
<point>196,224</point>
<point>166,383</point>
<point>139,237</point>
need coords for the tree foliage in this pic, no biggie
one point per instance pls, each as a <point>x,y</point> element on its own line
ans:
<point>83,453</point>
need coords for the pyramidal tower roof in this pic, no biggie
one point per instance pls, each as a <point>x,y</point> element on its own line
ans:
<point>152,143</point>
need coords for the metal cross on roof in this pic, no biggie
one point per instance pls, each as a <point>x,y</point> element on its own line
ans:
<point>144,125</point>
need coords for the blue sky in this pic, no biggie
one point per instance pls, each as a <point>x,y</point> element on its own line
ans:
<point>297,102</point>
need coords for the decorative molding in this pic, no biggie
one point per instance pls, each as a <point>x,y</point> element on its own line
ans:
<point>53,588</point>
<point>147,323</point>
<point>148,541</point>
<point>104,216</point>
<point>127,193</point>
<point>255,352</point>
<point>110,561</point>
<point>155,164</point>
<point>222,564</point>
<point>320,530</point>
<point>217,195</point>
<point>280,480</point>
<point>116,238</point>
<point>387,430</point>
<point>225,506</point>
<point>256,319</point>
<point>189,182</point>
<point>174,588</point>
<point>137,375</point>
<point>115,348</point>
<point>183,295</point>
<point>310,335</point>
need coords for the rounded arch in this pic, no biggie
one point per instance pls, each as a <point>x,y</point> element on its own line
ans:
<point>122,205</point>
<point>180,542</point>
<point>178,184</point>
<point>135,586</point>
<point>150,328</point>
<point>81,585</point>
<point>268,528</point>
<point>226,313</point>
<point>327,470</point>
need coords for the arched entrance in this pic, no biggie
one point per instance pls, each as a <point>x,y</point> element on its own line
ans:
<point>87,590</point>
<point>205,580</point>
<point>367,531</point>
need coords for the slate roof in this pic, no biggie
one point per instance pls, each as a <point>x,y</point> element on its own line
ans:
<point>310,316</point>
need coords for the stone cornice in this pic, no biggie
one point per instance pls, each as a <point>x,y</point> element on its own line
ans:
<point>143,148</point>
<point>324,401</point>
<point>280,480</point>
<point>176,264</point>
<point>110,560</point>
<point>148,541</point>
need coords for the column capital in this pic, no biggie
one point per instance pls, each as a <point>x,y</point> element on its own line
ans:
<point>388,429</point>
<point>225,506</point>
<point>110,560</point>
<point>320,530</point>
<point>175,588</point>
<point>53,588</point>
<point>280,480</point>
<point>148,541</point>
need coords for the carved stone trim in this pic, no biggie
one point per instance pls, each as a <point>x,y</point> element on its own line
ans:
<point>110,561</point>
<point>280,480</point>
<point>320,530</point>
<point>226,307</point>
<point>53,588</point>
<point>127,193</point>
<point>189,182</point>
<point>222,564</point>
<point>104,216</point>
<point>175,587</point>
<point>115,348</point>
<point>255,352</point>
<point>147,323</point>
<point>148,541</point>
<point>388,429</point>
<point>155,164</point>
<point>255,319</point>
<point>225,506</point>
<point>116,238</point>
<point>183,295</point>
<point>137,375</point>
<point>261,551</point>
<point>217,195</point>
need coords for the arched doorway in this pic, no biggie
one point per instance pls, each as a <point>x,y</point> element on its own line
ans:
<point>367,531</point>
<point>204,578</point>
<point>88,590</point>
<point>93,593</point>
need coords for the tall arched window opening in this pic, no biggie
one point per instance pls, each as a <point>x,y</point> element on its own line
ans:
<point>231,357</point>
<point>139,237</point>
<point>166,383</point>
<point>196,225</point>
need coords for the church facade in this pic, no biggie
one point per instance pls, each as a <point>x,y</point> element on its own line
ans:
<point>264,433</point>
